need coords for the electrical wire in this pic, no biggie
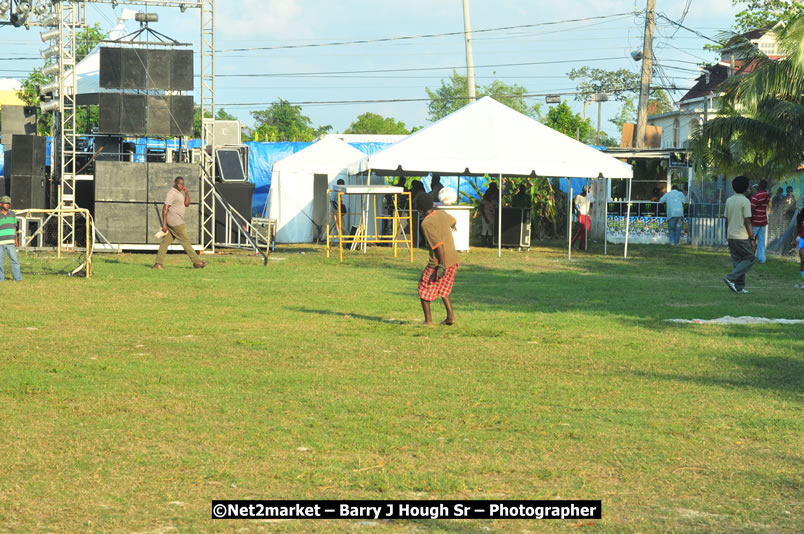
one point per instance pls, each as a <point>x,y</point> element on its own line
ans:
<point>423,36</point>
<point>417,69</point>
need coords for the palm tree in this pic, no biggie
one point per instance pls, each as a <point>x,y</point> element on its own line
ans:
<point>760,131</point>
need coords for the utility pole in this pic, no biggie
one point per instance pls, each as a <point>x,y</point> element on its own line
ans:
<point>647,66</point>
<point>470,63</point>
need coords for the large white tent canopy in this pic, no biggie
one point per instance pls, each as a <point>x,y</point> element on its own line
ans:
<point>487,137</point>
<point>293,186</point>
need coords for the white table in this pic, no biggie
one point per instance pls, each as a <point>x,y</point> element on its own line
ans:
<point>463,219</point>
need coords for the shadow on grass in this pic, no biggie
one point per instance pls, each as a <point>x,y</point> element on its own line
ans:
<point>350,315</point>
<point>779,373</point>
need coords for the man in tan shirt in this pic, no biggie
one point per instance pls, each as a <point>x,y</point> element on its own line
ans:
<point>177,200</point>
<point>740,235</point>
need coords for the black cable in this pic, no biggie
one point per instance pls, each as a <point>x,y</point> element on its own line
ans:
<point>423,36</point>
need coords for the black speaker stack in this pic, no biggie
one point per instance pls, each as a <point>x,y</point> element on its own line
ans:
<point>515,227</point>
<point>152,114</point>
<point>239,196</point>
<point>129,198</point>
<point>25,172</point>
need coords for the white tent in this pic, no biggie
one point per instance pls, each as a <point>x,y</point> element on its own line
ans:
<point>487,137</point>
<point>293,187</point>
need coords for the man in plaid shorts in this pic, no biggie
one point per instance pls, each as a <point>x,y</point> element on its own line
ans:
<point>439,275</point>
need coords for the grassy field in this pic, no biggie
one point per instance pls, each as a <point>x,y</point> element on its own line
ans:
<point>130,400</point>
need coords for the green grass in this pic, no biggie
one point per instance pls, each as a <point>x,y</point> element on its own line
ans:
<point>130,400</point>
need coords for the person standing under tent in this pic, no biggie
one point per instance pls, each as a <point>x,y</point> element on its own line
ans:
<point>439,274</point>
<point>742,243</point>
<point>759,217</point>
<point>675,213</point>
<point>333,202</point>
<point>583,203</point>
<point>176,201</point>
<point>488,214</point>
<point>435,187</point>
<point>799,236</point>
<point>8,240</point>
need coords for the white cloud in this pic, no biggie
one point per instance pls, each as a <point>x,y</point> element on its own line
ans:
<point>268,19</point>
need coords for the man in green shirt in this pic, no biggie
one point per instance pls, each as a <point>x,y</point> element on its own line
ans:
<point>8,239</point>
<point>742,243</point>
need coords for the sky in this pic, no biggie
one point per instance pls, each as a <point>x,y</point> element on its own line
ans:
<point>265,53</point>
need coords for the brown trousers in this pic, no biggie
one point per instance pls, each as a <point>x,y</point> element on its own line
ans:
<point>179,233</point>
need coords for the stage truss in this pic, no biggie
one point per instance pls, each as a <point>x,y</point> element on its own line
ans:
<point>68,17</point>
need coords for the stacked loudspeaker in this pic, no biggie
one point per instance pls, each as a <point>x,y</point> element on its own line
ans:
<point>129,198</point>
<point>152,114</point>
<point>25,172</point>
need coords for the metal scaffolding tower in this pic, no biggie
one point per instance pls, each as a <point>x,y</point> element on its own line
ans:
<point>69,16</point>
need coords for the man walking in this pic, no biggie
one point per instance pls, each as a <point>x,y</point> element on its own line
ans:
<point>742,243</point>
<point>675,213</point>
<point>8,240</point>
<point>177,200</point>
<point>583,204</point>
<point>759,217</point>
<point>439,274</point>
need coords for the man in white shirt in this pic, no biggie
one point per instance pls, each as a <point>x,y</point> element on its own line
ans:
<point>675,213</point>
<point>583,203</point>
<point>742,243</point>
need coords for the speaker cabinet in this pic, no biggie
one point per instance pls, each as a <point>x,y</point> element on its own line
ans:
<point>121,182</point>
<point>27,157</point>
<point>162,175</point>
<point>158,111</point>
<point>191,217</point>
<point>239,196</point>
<point>181,78</point>
<point>121,114</point>
<point>110,68</point>
<point>181,116</point>
<point>515,227</point>
<point>28,192</point>
<point>159,69</point>
<point>134,71</point>
<point>17,120</point>
<point>122,222</point>
<point>232,164</point>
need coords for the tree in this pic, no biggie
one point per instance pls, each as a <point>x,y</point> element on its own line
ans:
<point>284,121</point>
<point>372,123</point>
<point>760,131</point>
<point>562,119</point>
<point>453,95</point>
<point>627,114</point>
<point>620,83</point>
<point>763,14</point>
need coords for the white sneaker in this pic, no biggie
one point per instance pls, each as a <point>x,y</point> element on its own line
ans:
<point>743,290</point>
<point>731,285</point>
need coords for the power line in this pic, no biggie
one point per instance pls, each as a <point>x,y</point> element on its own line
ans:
<point>402,100</point>
<point>696,32</point>
<point>423,36</point>
<point>304,74</point>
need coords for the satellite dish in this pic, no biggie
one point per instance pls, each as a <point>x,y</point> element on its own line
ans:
<point>636,55</point>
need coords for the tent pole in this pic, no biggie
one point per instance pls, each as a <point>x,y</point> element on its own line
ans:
<point>569,221</point>
<point>627,220</point>
<point>606,218</point>
<point>499,219</point>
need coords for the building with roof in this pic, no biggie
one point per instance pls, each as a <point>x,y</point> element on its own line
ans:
<point>702,102</point>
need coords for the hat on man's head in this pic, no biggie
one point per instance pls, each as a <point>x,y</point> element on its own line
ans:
<point>5,199</point>
<point>740,184</point>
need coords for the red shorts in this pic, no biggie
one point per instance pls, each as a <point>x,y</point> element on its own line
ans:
<point>430,288</point>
